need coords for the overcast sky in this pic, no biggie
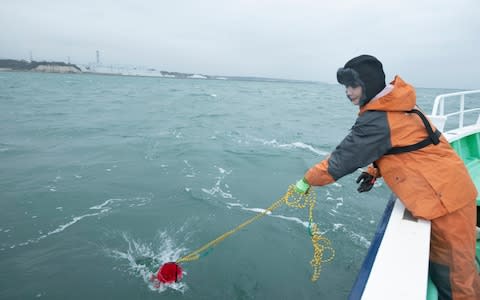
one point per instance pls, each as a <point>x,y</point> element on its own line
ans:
<point>429,43</point>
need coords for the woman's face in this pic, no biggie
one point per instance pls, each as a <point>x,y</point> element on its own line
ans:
<point>354,94</point>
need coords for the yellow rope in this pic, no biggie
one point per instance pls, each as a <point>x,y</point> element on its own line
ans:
<point>321,245</point>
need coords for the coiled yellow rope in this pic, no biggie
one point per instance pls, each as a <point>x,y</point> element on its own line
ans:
<point>321,245</point>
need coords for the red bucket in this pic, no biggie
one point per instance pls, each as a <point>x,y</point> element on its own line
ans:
<point>170,272</point>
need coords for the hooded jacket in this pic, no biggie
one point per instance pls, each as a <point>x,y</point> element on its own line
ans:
<point>431,181</point>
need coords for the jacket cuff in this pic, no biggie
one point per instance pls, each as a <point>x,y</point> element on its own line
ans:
<point>318,175</point>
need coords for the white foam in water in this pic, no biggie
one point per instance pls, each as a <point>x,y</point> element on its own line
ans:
<point>359,239</point>
<point>294,145</point>
<point>301,145</point>
<point>217,189</point>
<point>191,170</point>
<point>162,250</point>
<point>337,226</point>
<point>355,237</point>
<point>99,210</point>
<point>261,210</point>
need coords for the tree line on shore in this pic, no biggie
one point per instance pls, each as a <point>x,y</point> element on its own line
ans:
<point>23,65</point>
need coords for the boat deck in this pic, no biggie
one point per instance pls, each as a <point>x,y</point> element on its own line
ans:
<point>468,150</point>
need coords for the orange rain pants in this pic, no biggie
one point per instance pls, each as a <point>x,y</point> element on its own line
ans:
<point>452,255</point>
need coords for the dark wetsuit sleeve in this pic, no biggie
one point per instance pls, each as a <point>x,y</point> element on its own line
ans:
<point>367,141</point>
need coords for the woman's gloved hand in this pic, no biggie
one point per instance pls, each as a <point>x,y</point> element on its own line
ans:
<point>366,181</point>
<point>302,186</point>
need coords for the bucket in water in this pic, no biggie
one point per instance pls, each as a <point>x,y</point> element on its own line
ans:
<point>170,272</point>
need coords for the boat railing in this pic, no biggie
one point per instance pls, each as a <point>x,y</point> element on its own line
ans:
<point>439,116</point>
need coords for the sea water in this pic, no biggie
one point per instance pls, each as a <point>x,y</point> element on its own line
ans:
<point>104,178</point>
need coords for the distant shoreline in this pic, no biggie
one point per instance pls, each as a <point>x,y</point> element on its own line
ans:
<point>38,66</point>
<point>7,65</point>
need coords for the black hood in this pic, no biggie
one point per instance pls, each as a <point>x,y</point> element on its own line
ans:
<point>365,71</point>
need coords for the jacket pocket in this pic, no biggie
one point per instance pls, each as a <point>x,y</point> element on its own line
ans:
<point>415,192</point>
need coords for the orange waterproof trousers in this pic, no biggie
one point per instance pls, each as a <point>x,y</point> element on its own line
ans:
<point>452,255</point>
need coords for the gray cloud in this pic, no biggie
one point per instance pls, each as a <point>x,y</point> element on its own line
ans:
<point>428,43</point>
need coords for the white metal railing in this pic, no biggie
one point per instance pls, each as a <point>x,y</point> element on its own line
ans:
<point>439,116</point>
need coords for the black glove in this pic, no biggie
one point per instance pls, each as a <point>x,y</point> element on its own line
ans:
<point>367,182</point>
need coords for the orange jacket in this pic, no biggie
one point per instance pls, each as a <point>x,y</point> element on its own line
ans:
<point>431,181</point>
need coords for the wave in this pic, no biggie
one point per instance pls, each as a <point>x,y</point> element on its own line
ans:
<point>217,188</point>
<point>5,147</point>
<point>270,214</point>
<point>202,95</point>
<point>191,171</point>
<point>99,210</point>
<point>211,115</point>
<point>358,239</point>
<point>295,145</point>
<point>353,236</point>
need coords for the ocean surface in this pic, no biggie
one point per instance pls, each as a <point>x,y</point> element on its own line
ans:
<point>99,174</point>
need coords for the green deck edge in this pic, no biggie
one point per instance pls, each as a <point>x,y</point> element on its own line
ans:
<point>468,148</point>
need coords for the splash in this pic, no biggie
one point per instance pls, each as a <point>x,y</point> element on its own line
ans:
<point>142,259</point>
